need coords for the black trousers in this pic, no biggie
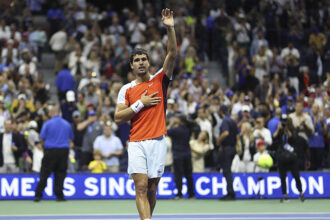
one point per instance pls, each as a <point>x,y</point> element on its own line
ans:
<point>183,167</point>
<point>226,156</point>
<point>316,157</point>
<point>55,160</point>
<point>289,162</point>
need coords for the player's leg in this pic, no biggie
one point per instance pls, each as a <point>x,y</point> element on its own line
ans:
<point>141,189</point>
<point>152,191</point>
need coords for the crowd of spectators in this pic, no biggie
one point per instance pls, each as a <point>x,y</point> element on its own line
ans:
<point>274,56</point>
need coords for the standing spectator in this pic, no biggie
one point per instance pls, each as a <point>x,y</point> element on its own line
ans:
<point>56,143</point>
<point>54,17</point>
<point>136,29</point>
<point>68,106</point>
<point>245,148</point>
<point>4,114</point>
<point>227,151</point>
<point>199,147</point>
<point>257,43</point>
<point>180,134</point>
<point>262,133</point>
<point>261,63</point>
<point>64,82</point>
<point>93,129</point>
<point>34,143</point>
<point>316,140</point>
<point>57,43</point>
<point>302,126</point>
<point>11,148</point>
<point>110,147</point>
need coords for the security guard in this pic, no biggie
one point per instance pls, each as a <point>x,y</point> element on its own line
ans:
<point>56,136</point>
<point>227,150</point>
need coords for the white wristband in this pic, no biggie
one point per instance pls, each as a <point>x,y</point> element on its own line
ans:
<point>137,106</point>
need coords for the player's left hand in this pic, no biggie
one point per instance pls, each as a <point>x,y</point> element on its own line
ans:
<point>167,17</point>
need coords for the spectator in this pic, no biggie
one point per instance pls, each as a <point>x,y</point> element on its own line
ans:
<point>246,148</point>
<point>35,146</point>
<point>303,127</point>
<point>97,165</point>
<point>316,140</point>
<point>261,146</point>
<point>93,129</point>
<point>262,133</point>
<point>57,43</point>
<point>64,82</point>
<point>110,147</point>
<point>68,106</point>
<point>199,147</point>
<point>11,148</point>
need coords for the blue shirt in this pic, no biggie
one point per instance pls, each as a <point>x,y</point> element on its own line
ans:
<point>64,80</point>
<point>273,124</point>
<point>56,133</point>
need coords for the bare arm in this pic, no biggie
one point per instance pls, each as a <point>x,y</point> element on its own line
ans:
<point>168,21</point>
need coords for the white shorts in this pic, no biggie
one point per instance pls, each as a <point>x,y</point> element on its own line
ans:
<point>147,157</point>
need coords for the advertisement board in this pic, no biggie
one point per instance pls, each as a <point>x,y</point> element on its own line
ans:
<point>207,186</point>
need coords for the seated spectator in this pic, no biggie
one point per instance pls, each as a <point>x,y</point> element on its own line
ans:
<point>97,165</point>
<point>261,147</point>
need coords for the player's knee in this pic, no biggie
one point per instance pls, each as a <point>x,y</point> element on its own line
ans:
<point>141,188</point>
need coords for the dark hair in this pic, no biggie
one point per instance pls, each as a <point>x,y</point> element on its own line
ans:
<point>138,51</point>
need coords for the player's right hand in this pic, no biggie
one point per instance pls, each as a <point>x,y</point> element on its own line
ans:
<point>150,100</point>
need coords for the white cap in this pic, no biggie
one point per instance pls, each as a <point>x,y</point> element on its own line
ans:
<point>33,124</point>
<point>70,96</point>
<point>245,108</point>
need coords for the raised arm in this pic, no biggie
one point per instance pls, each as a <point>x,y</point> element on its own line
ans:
<point>168,21</point>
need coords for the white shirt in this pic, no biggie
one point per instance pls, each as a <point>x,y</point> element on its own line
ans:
<point>107,146</point>
<point>266,136</point>
<point>287,51</point>
<point>58,41</point>
<point>206,125</point>
<point>8,155</point>
<point>297,121</point>
<point>137,30</point>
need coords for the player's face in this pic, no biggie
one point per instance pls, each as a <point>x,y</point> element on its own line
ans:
<point>140,65</point>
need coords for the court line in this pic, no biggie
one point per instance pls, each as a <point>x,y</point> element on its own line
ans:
<point>272,216</point>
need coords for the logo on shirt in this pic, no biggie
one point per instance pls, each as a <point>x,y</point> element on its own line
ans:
<point>150,85</point>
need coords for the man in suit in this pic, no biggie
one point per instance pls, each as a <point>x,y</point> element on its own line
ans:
<point>11,148</point>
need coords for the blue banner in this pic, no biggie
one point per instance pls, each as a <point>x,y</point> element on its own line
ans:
<point>207,186</point>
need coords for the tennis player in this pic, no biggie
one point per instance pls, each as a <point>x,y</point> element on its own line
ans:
<point>143,102</point>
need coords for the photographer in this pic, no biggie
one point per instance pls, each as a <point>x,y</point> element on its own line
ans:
<point>287,154</point>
